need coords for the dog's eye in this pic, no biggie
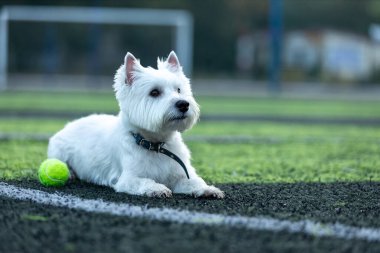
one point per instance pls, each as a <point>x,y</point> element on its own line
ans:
<point>155,93</point>
<point>179,90</point>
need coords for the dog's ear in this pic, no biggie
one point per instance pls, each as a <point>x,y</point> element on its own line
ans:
<point>173,62</point>
<point>130,63</point>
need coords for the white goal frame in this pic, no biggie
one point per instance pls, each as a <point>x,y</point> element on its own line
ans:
<point>180,20</point>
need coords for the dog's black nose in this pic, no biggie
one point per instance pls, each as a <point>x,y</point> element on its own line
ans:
<point>182,105</point>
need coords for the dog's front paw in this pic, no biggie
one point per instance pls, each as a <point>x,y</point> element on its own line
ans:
<point>209,192</point>
<point>159,191</point>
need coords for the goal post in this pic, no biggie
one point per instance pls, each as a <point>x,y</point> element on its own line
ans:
<point>180,20</point>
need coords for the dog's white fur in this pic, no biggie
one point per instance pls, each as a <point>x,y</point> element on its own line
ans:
<point>100,148</point>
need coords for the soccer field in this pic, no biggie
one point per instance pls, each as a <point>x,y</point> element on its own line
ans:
<point>291,174</point>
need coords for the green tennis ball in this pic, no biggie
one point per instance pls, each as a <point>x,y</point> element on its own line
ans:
<point>53,172</point>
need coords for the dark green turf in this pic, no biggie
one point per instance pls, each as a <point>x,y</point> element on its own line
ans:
<point>28,227</point>
<point>356,204</point>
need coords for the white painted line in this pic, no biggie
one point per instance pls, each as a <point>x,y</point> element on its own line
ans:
<point>309,227</point>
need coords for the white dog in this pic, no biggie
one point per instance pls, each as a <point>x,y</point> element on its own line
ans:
<point>140,151</point>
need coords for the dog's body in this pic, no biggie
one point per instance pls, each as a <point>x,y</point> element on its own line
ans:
<point>158,105</point>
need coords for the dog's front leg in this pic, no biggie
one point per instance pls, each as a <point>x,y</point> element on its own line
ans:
<point>197,187</point>
<point>141,186</point>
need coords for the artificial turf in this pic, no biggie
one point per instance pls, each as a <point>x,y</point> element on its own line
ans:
<point>275,152</point>
<point>328,173</point>
<point>30,227</point>
<point>325,160</point>
<point>270,106</point>
<point>31,125</point>
<point>77,231</point>
<point>269,130</point>
<point>351,203</point>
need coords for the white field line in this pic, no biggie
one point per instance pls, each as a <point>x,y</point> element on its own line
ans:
<point>189,217</point>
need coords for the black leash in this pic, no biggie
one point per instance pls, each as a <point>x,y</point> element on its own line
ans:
<point>157,146</point>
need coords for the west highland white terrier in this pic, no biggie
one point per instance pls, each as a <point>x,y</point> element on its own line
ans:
<point>141,150</point>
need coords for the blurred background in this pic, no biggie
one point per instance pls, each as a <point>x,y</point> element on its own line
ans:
<point>258,46</point>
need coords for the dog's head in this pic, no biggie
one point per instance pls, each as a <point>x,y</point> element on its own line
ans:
<point>156,100</point>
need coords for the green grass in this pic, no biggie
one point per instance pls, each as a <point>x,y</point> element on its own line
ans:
<point>25,125</point>
<point>290,107</point>
<point>255,129</point>
<point>284,130</point>
<point>337,152</point>
<point>299,152</point>
<point>105,102</point>
<point>19,160</point>
<point>291,161</point>
<point>58,101</point>
<point>288,162</point>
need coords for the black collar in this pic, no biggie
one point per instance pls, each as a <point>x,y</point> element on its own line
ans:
<point>157,147</point>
